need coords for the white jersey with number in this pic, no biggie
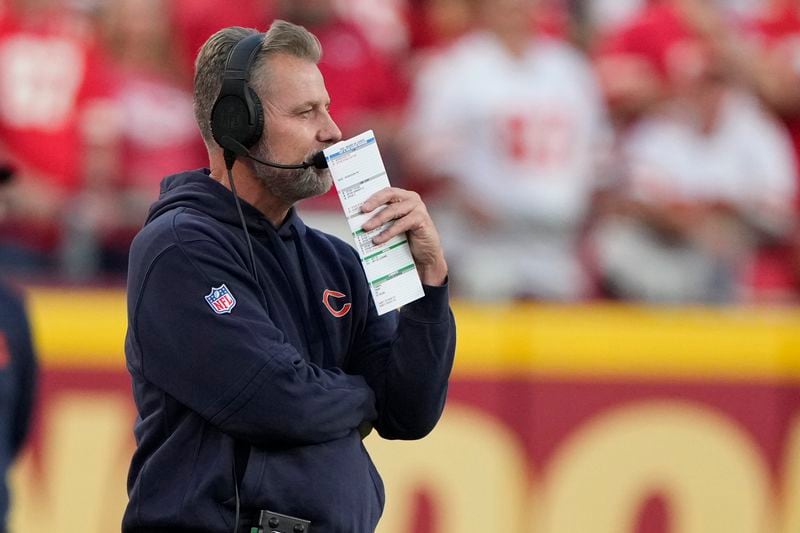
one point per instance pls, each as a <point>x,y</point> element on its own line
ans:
<point>520,136</point>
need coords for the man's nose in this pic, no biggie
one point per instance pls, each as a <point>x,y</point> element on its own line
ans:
<point>329,133</point>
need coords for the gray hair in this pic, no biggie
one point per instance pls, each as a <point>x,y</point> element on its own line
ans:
<point>282,37</point>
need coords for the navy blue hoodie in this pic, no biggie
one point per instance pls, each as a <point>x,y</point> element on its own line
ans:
<point>278,371</point>
<point>18,371</point>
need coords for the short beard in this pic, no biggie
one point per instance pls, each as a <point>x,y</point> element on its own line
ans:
<point>291,185</point>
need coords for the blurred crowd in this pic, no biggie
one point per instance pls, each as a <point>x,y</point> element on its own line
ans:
<point>569,150</point>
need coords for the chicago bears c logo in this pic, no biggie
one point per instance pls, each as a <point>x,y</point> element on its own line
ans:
<point>326,299</point>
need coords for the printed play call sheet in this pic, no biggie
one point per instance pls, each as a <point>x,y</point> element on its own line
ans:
<point>358,172</point>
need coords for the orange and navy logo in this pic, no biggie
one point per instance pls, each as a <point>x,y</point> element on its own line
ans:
<point>326,299</point>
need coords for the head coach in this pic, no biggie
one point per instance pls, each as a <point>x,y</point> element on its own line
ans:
<point>257,358</point>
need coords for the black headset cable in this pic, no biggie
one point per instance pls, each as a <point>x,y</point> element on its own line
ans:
<point>230,157</point>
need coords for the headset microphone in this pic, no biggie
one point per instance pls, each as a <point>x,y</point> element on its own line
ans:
<point>319,161</point>
<point>236,148</point>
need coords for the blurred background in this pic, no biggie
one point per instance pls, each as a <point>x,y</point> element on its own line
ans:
<point>616,184</point>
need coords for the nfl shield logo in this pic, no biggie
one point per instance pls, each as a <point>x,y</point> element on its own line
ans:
<point>221,300</point>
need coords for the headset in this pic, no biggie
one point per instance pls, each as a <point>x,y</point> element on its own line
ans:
<point>237,114</point>
<point>237,118</point>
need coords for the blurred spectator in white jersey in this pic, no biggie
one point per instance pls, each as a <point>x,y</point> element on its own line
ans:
<point>509,122</point>
<point>707,178</point>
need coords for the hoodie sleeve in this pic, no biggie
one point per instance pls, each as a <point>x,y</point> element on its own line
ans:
<point>406,357</point>
<point>15,332</point>
<point>27,371</point>
<point>234,369</point>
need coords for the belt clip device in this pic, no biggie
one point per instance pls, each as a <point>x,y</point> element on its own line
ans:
<point>270,522</point>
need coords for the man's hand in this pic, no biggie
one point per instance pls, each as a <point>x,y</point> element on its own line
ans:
<point>410,215</point>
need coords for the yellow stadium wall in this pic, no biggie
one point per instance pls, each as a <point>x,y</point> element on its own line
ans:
<point>560,419</point>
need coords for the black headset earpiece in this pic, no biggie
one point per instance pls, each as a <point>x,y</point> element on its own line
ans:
<point>238,113</point>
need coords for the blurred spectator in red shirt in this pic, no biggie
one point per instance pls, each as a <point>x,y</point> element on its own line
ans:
<point>194,21</point>
<point>636,61</point>
<point>437,23</point>
<point>154,131</point>
<point>54,101</point>
<point>158,134</point>
<point>639,56</point>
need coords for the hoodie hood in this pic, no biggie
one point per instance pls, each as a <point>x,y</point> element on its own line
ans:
<point>196,189</point>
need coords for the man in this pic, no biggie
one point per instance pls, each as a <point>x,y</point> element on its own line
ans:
<point>17,374</point>
<point>257,373</point>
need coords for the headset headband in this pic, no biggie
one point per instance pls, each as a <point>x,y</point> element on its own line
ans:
<point>241,57</point>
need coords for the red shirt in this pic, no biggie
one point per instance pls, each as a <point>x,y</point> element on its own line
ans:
<point>48,73</point>
<point>197,20</point>
<point>358,78</point>
<point>159,135</point>
<point>653,35</point>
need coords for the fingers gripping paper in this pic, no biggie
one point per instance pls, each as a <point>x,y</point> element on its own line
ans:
<point>358,172</point>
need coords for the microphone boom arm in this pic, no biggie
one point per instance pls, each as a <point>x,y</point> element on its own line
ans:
<point>232,145</point>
